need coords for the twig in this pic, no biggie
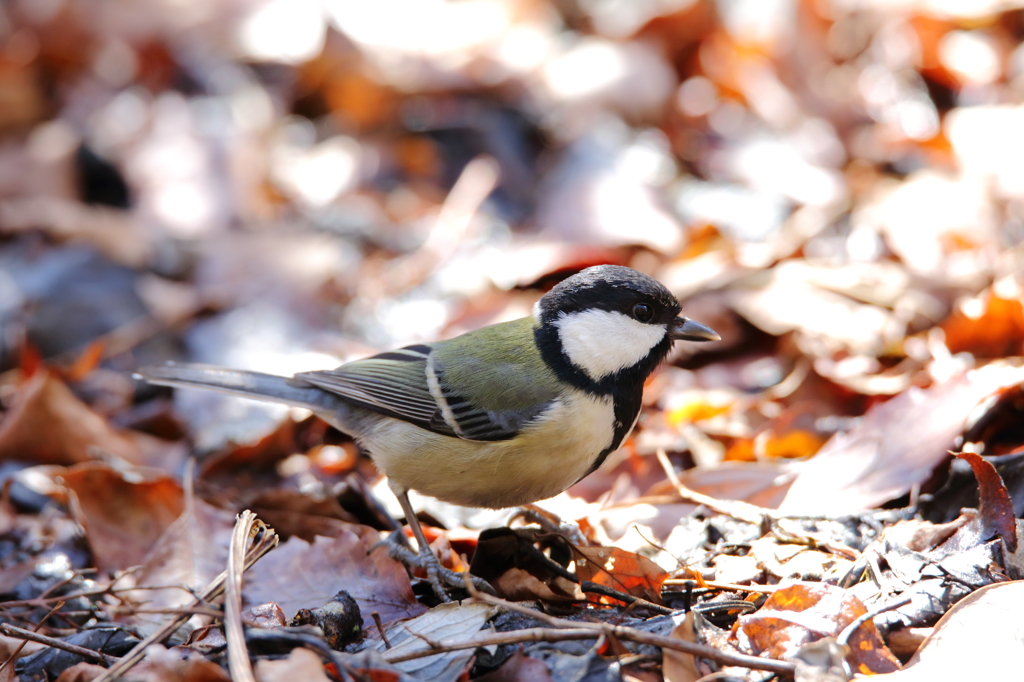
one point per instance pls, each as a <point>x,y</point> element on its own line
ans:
<point>797,536</point>
<point>43,601</point>
<point>380,629</point>
<point>741,511</point>
<point>246,526</point>
<point>730,587</point>
<point>88,654</point>
<point>844,637</point>
<point>266,540</point>
<point>597,588</point>
<point>17,650</point>
<point>488,638</point>
<point>621,632</point>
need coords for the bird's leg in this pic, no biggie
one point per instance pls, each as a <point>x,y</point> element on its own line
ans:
<point>437,574</point>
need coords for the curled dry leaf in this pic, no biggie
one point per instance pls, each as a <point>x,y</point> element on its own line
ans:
<point>518,570</point>
<point>303,575</point>
<point>800,613</point>
<point>443,623</point>
<point>300,664</point>
<point>982,637</point>
<point>519,668</point>
<point>996,508</point>
<point>47,424</point>
<point>620,570</point>
<point>123,514</point>
<point>895,446</point>
<point>189,554</point>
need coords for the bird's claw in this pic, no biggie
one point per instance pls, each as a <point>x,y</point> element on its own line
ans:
<point>439,577</point>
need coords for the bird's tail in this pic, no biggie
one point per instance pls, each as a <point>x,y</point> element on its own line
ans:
<point>255,385</point>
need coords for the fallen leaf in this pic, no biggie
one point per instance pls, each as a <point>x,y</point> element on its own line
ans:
<point>123,513</point>
<point>894,447</point>
<point>189,554</point>
<point>47,424</point>
<point>166,665</point>
<point>520,571</point>
<point>994,331</point>
<point>996,507</point>
<point>679,666</point>
<point>300,664</point>
<point>801,613</point>
<point>450,621</point>
<point>620,570</point>
<point>302,575</point>
<point>518,668</point>
<point>982,637</point>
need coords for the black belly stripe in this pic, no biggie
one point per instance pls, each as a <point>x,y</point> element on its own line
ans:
<point>627,407</point>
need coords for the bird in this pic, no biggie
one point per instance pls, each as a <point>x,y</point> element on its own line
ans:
<point>501,416</point>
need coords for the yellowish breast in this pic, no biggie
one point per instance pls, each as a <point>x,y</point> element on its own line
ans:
<point>547,457</point>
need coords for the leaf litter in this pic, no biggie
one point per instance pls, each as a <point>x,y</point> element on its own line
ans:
<point>834,489</point>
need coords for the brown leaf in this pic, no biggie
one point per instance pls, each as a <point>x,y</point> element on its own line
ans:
<point>123,514</point>
<point>301,664</point>
<point>299,575</point>
<point>982,637</point>
<point>190,553</point>
<point>163,665</point>
<point>620,570</point>
<point>518,668</point>
<point>996,507</point>
<point>801,613</point>
<point>243,463</point>
<point>47,424</point>
<point>679,666</point>
<point>291,512</point>
<point>81,672</point>
<point>895,446</point>
<point>518,570</point>
<point>997,330</point>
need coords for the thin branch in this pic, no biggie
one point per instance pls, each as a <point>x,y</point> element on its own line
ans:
<point>623,633</point>
<point>604,591</point>
<point>88,654</point>
<point>380,629</point>
<point>246,526</point>
<point>43,601</point>
<point>267,540</point>
<point>844,637</point>
<point>741,511</point>
<point>488,638</point>
<point>17,650</point>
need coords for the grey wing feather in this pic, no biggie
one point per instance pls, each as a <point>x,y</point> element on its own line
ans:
<point>474,423</point>
<point>392,383</point>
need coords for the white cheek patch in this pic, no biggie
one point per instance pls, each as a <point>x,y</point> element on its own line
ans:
<point>601,342</point>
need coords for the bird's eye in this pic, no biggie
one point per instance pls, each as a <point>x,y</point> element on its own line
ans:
<point>643,312</point>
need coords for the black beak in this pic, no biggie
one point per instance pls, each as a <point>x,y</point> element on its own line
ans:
<point>683,329</point>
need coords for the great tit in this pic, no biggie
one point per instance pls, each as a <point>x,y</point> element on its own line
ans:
<point>498,417</point>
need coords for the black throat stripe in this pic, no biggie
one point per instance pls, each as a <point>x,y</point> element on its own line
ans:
<point>625,387</point>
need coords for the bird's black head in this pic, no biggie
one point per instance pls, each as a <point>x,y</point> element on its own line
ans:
<point>609,322</point>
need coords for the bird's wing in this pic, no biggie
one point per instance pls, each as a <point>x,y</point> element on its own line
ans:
<point>493,381</point>
<point>392,383</point>
<point>432,385</point>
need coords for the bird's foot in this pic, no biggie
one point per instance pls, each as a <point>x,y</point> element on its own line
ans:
<point>439,577</point>
<point>550,523</point>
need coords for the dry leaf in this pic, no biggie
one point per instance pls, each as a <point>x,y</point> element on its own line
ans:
<point>895,446</point>
<point>982,637</point>
<point>800,613</point>
<point>302,575</point>
<point>123,514</point>
<point>620,570</point>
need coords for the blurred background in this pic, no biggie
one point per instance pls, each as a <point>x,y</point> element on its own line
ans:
<point>836,186</point>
